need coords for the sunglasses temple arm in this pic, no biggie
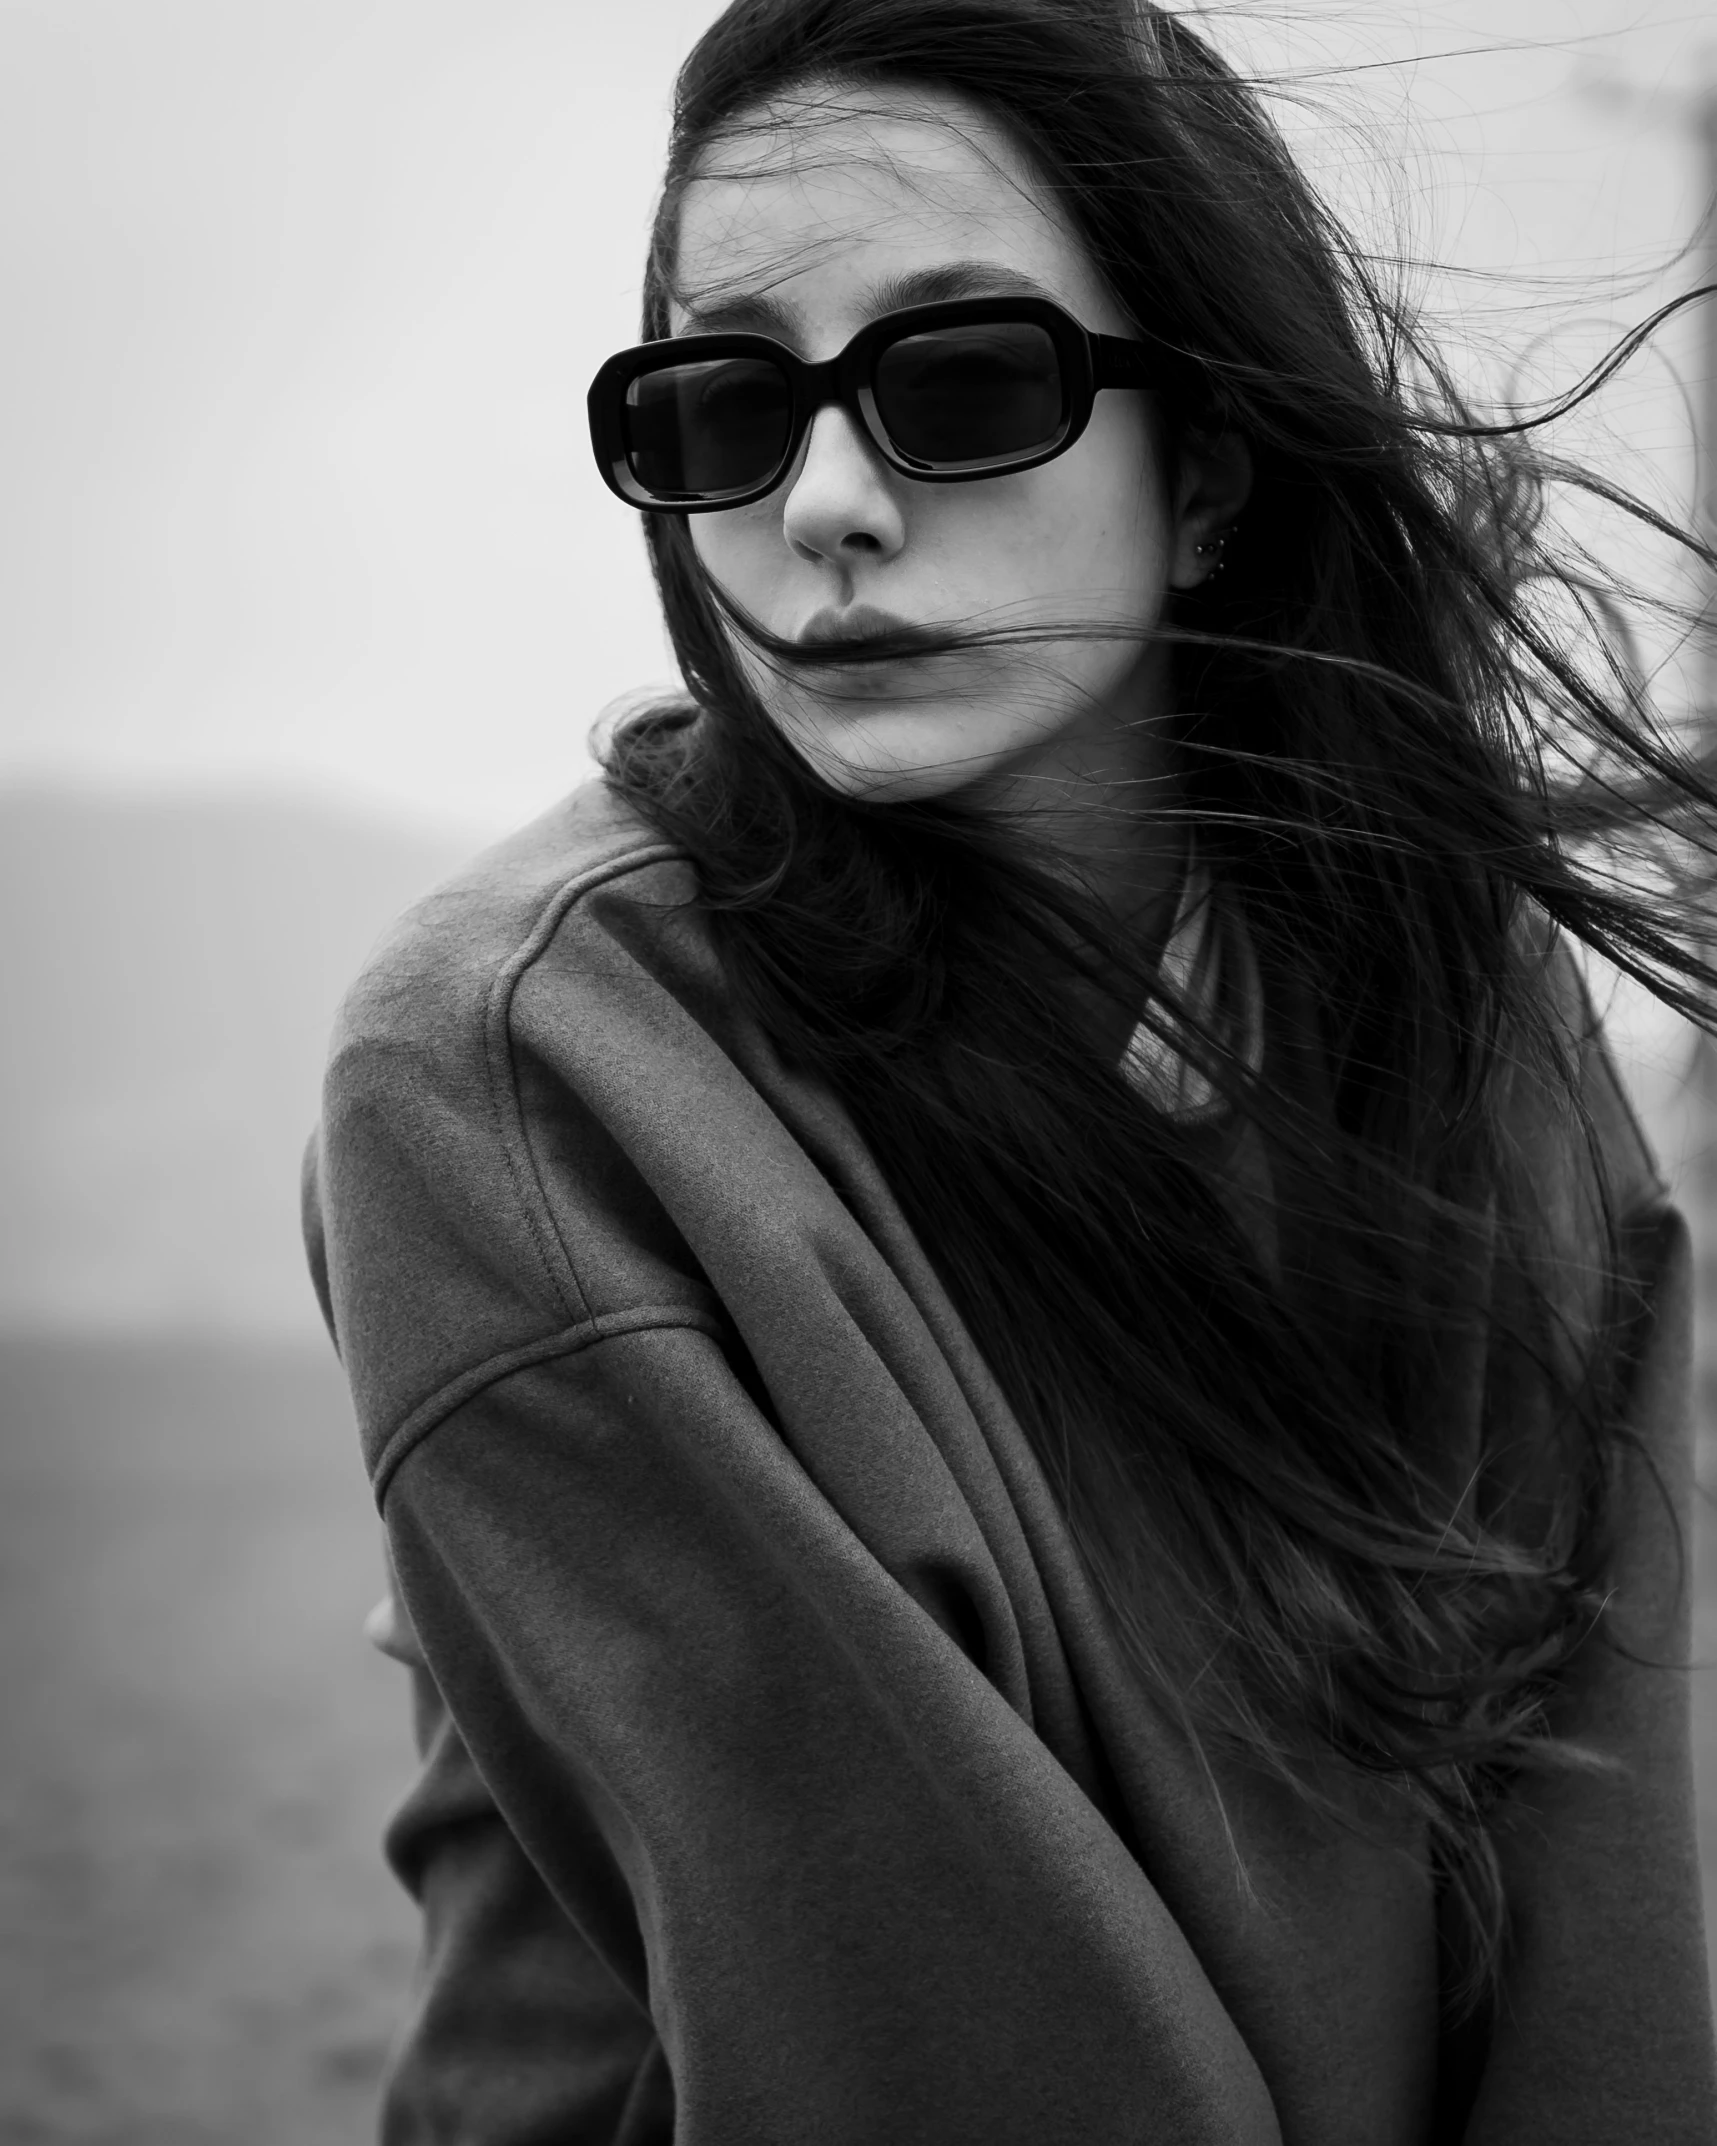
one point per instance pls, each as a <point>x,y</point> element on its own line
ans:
<point>1120,361</point>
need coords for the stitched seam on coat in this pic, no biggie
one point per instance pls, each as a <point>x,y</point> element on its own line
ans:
<point>561,1274</point>
<point>428,1415</point>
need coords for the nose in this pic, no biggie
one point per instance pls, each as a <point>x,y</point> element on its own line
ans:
<point>841,503</point>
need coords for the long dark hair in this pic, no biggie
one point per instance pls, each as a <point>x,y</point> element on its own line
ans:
<point>1257,1452</point>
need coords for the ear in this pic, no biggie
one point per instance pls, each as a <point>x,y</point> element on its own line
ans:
<point>1213,483</point>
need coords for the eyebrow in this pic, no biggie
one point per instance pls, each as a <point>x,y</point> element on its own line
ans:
<point>759,313</point>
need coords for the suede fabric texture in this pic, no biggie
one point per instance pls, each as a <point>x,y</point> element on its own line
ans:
<point>781,1781</point>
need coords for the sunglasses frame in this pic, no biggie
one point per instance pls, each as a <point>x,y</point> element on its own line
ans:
<point>1088,363</point>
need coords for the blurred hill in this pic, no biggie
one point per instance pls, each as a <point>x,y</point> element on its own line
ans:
<point>169,971</point>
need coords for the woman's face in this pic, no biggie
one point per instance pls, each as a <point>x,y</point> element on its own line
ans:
<point>858,202</point>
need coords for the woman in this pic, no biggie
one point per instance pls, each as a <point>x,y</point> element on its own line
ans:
<point>1025,1372</point>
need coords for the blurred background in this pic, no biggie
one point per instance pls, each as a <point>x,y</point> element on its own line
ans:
<point>309,590</point>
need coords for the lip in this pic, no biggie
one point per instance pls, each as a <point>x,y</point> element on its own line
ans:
<point>864,622</point>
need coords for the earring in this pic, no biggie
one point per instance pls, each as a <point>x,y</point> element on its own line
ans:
<point>1212,550</point>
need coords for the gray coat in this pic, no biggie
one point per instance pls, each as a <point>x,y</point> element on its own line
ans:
<point>781,1779</point>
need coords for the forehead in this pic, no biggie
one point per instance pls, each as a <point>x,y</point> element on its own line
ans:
<point>821,195</point>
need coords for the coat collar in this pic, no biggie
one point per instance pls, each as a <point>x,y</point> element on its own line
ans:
<point>1211,970</point>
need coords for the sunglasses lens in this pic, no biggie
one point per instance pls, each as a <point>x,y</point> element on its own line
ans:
<point>963,397</point>
<point>702,430</point>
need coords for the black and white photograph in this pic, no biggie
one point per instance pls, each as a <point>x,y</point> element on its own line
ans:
<point>858,1195</point>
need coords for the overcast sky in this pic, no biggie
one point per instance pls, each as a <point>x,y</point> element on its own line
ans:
<point>301,298</point>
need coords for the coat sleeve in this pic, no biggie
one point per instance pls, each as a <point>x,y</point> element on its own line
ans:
<point>851,1892</point>
<point>518,2033</point>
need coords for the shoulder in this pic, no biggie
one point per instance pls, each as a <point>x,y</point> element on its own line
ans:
<point>434,980</point>
<point>470,1202</point>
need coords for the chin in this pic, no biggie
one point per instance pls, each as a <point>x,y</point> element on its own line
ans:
<point>920,760</point>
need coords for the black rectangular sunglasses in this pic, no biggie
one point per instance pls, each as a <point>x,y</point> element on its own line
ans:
<point>972,387</point>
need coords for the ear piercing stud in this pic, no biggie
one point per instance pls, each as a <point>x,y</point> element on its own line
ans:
<point>1212,550</point>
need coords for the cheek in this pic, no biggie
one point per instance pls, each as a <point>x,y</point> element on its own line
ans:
<point>714,542</point>
<point>1088,532</point>
<point>743,551</point>
<point>1115,476</point>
